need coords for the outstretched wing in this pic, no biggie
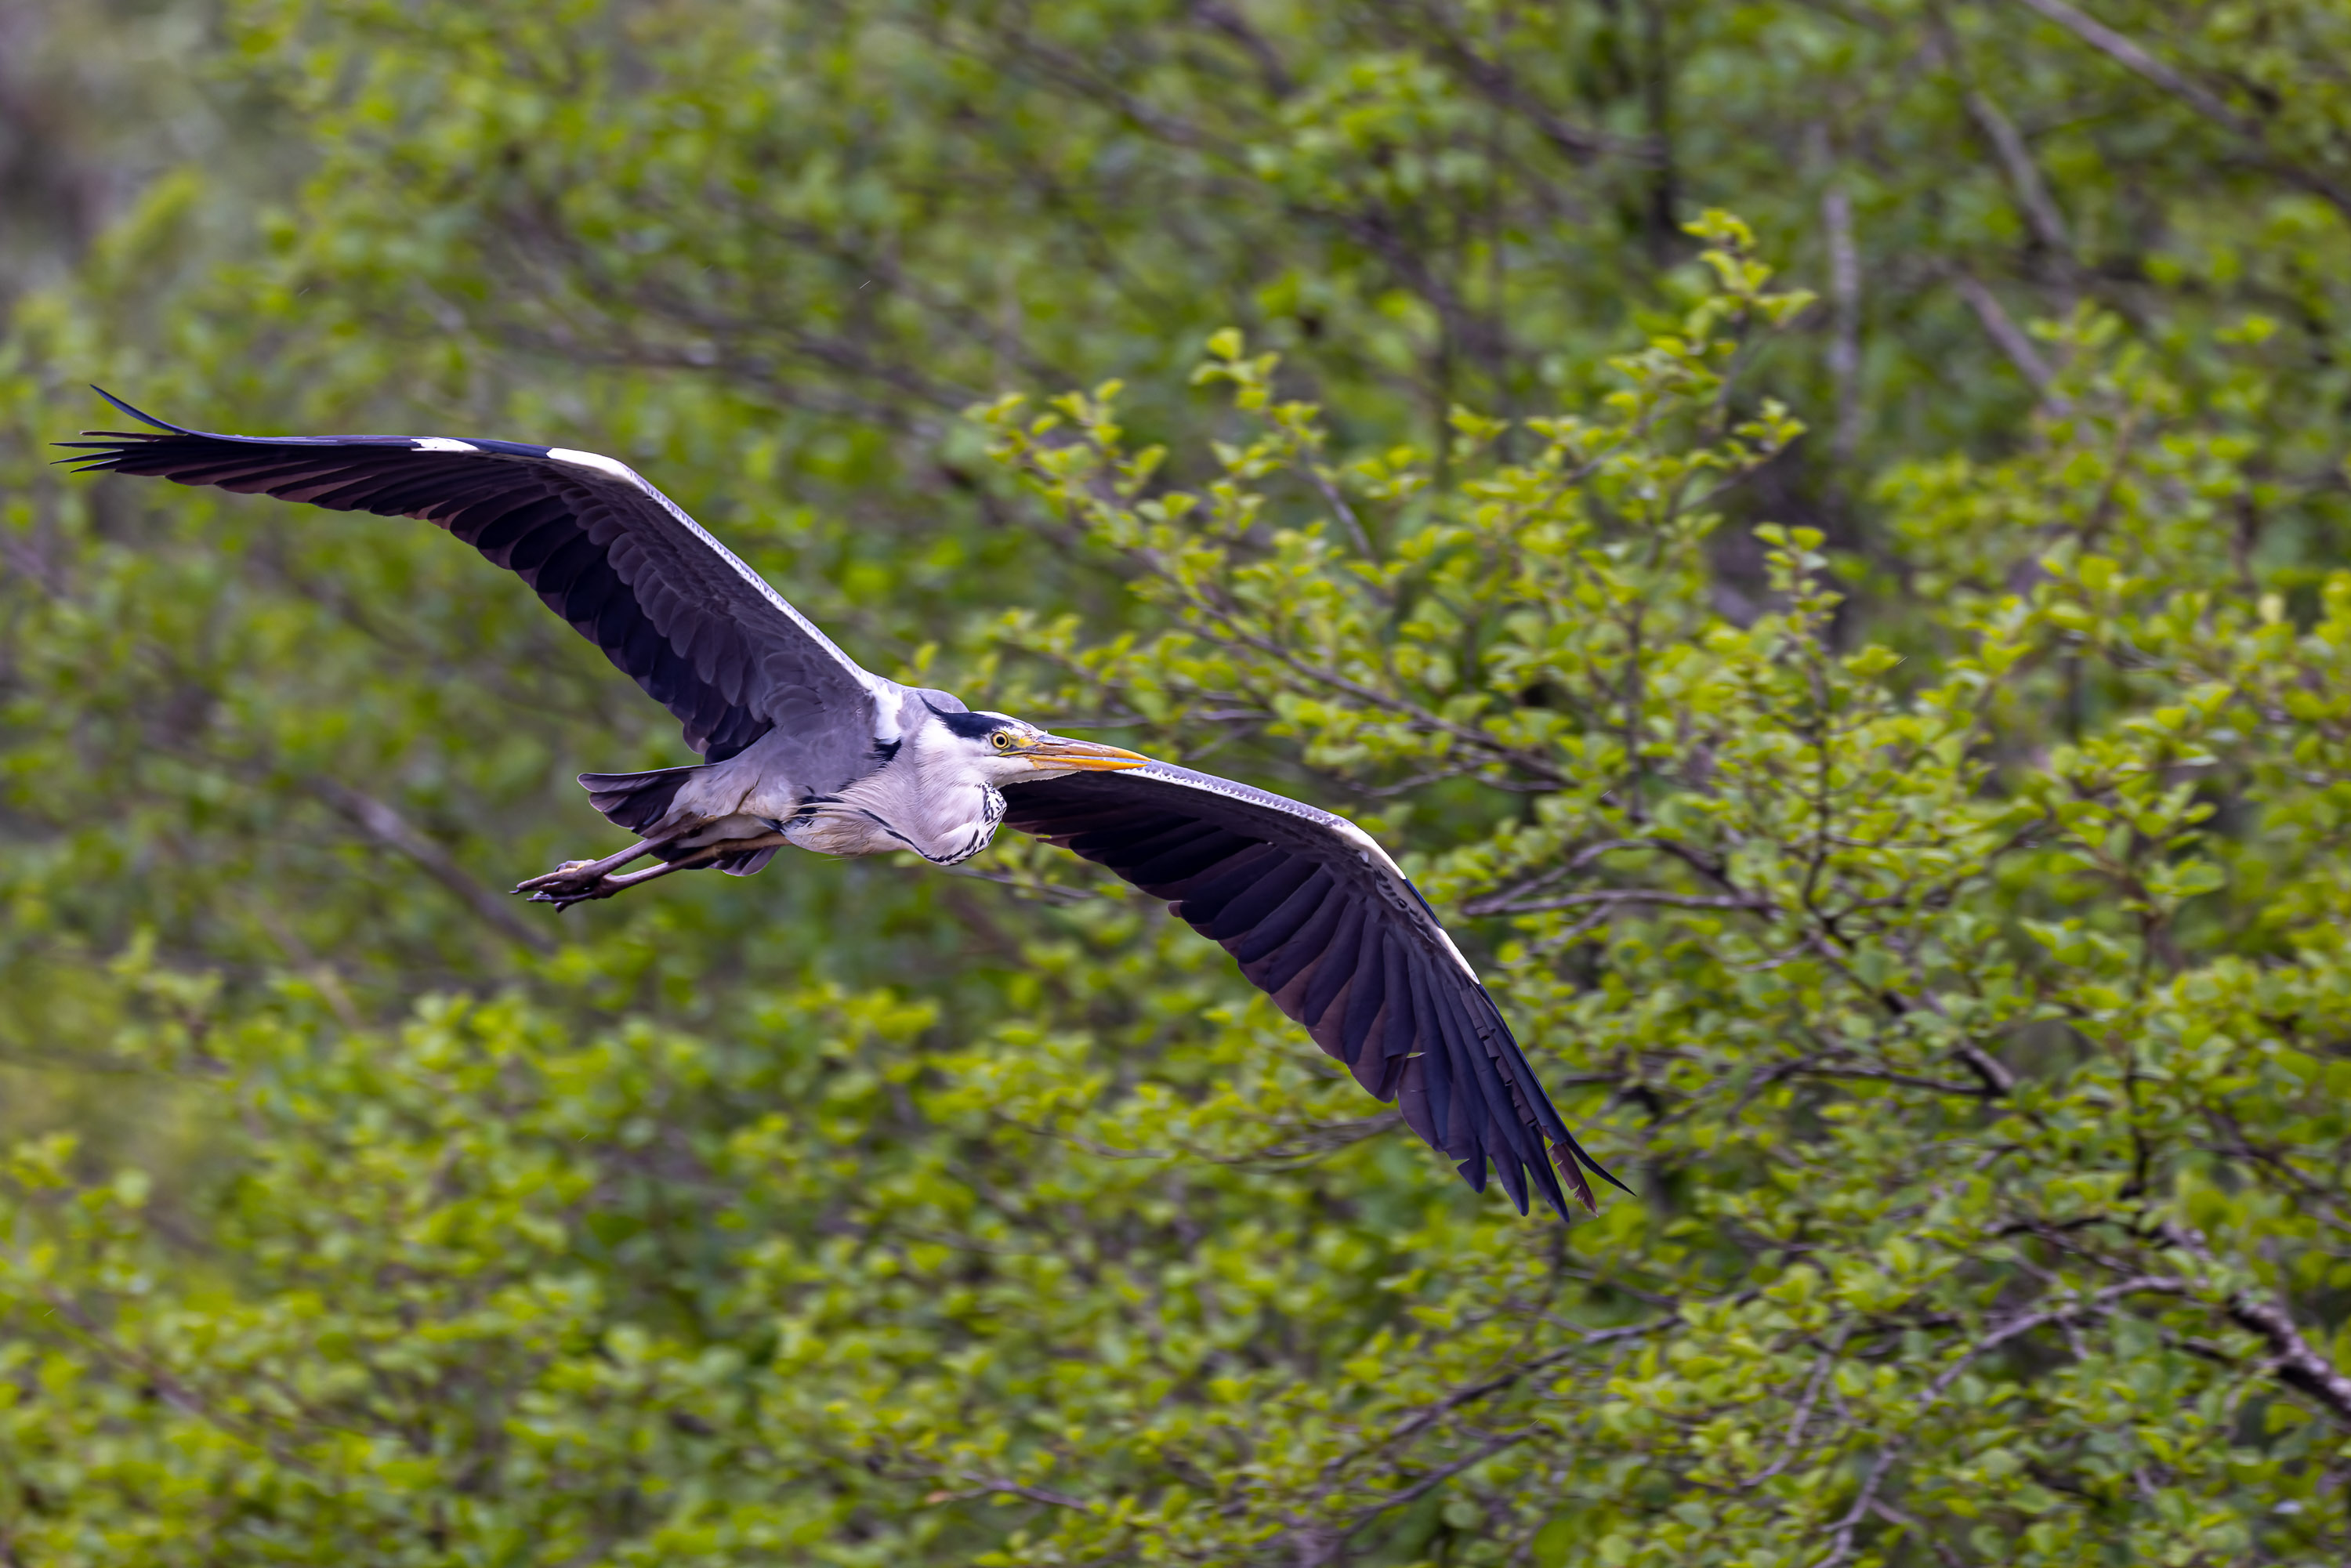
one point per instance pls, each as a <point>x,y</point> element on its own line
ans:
<point>701,632</point>
<point>1323,921</point>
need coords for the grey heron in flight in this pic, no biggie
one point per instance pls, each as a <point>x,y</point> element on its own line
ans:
<point>802,747</point>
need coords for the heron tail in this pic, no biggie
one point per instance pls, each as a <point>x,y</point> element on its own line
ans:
<point>744,863</point>
<point>636,800</point>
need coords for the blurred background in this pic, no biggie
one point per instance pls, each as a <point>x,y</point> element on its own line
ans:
<point>264,771</point>
<point>769,253</point>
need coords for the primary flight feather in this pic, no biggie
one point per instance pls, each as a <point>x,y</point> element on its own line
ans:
<point>801,746</point>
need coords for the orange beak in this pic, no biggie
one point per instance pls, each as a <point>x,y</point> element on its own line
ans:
<point>1060,751</point>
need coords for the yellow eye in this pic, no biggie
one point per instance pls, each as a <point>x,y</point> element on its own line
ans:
<point>1003,741</point>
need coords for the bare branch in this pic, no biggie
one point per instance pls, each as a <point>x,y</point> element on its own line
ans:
<point>1494,81</point>
<point>998,1486</point>
<point>395,832</point>
<point>2002,328</point>
<point>2132,58</point>
<point>1220,17</point>
<point>1616,896</point>
<point>1845,296</point>
<point>1841,1538</point>
<point>2205,103</point>
<point>2032,192</point>
<point>2299,1365</point>
<point>1792,1444</point>
<point>1998,1081</point>
<point>1337,501</point>
<point>1443,1473</point>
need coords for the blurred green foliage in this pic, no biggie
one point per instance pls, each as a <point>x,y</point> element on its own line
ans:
<point>1912,850</point>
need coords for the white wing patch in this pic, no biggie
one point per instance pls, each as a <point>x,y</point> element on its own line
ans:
<point>1362,840</point>
<point>443,443</point>
<point>619,470</point>
<point>1356,835</point>
<point>886,729</point>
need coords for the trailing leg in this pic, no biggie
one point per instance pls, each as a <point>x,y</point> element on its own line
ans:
<point>586,872</point>
<point>584,880</point>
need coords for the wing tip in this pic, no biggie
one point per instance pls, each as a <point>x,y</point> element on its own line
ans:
<point>1573,1162</point>
<point>1563,1173</point>
<point>103,456</point>
<point>140,415</point>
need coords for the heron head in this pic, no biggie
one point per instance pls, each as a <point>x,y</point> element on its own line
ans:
<point>1006,750</point>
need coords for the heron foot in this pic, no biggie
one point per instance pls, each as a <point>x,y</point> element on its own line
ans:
<point>564,898</point>
<point>568,873</point>
<point>577,882</point>
<point>578,877</point>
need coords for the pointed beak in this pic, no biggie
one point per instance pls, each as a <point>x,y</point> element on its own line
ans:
<point>1060,751</point>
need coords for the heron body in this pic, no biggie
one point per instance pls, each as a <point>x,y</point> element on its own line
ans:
<point>933,783</point>
<point>803,747</point>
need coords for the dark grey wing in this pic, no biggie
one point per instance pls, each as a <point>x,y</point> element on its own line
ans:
<point>1323,921</point>
<point>696,628</point>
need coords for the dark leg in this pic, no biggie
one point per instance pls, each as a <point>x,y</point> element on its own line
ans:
<point>586,874</point>
<point>580,881</point>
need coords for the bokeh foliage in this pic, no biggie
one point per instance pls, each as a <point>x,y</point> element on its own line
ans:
<point>1888,742</point>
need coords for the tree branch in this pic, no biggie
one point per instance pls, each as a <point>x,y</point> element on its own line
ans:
<point>395,832</point>
<point>2202,99</point>
<point>1845,296</point>
<point>2032,198</point>
<point>2002,328</point>
<point>993,1486</point>
<point>2299,1365</point>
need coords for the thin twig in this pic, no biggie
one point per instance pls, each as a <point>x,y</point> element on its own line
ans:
<point>2003,329</point>
<point>1619,896</point>
<point>2124,52</point>
<point>988,1486</point>
<point>395,832</point>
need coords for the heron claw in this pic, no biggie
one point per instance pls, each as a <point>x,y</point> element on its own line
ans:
<point>568,872</point>
<point>564,898</point>
<point>573,882</point>
<point>577,882</point>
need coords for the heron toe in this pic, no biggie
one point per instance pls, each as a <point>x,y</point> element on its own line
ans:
<point>569,872</point>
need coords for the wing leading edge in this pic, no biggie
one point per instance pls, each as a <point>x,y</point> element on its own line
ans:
<point>1321,920</point>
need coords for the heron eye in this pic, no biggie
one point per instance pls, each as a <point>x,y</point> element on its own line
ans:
<point>1003,741</point>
